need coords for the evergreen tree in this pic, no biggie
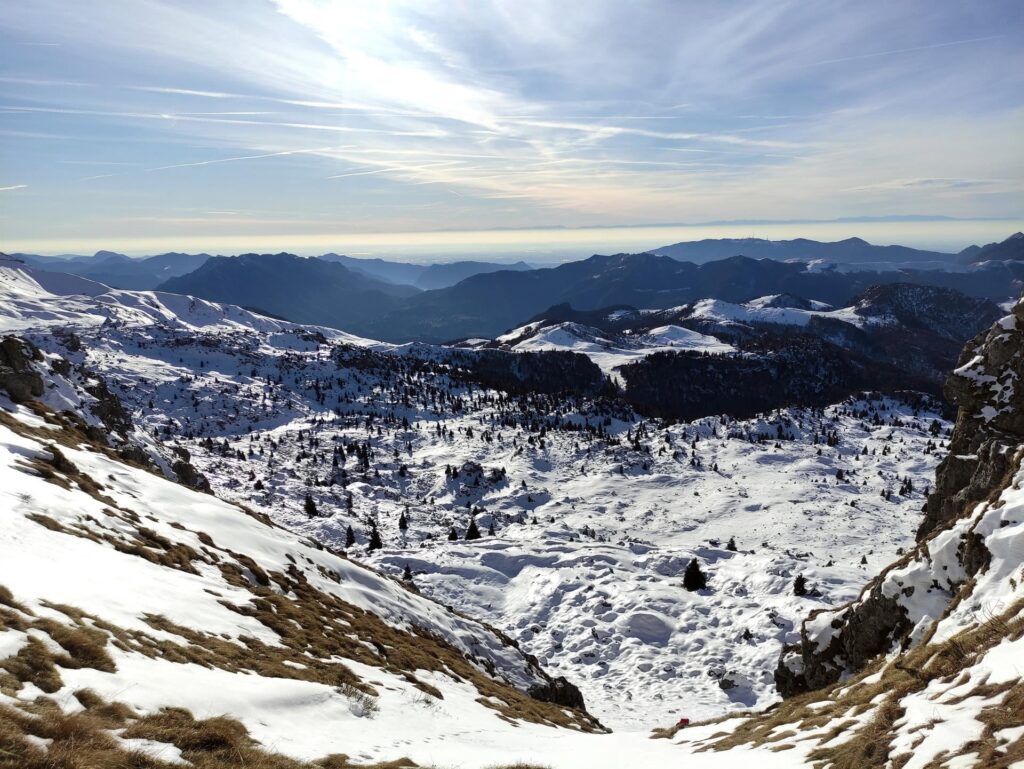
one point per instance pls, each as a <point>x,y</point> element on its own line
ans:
<point>694,578</point>
<point>350,537</point>
<point>800,585</point>
<point>375,543</point>
<point>407,574</point>
<point>453,535</point>
<point>310,507</point>
<point>731,547</point>
<point>472,532</point>
<point>403,523</point>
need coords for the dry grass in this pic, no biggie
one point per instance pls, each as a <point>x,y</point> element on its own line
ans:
<point>868,742</point>
<point>316,629</point>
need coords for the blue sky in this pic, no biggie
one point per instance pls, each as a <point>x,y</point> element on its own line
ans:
<point>238,124</point>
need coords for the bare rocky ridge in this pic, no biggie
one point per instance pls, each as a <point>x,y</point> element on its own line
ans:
<point>985,451</point>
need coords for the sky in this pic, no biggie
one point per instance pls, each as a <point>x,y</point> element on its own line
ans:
<point>414,126</point>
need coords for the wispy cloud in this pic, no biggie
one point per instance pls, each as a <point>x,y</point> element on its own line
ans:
<point>494,114</point>
<point>13,187</point>
<point>913,49</point>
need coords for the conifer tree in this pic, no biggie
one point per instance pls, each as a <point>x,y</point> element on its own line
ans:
<point>350,537</point>
<point>800,585</point>
<point>375,542</point>
<point>310,507</point>
<point>694,578</point>
<point>472,532</point>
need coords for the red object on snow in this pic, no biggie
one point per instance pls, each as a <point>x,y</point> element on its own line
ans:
<point>683,722</point>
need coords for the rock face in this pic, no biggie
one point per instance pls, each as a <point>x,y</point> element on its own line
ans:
<point>110,410</point>
<point>17,374</point>
<point>187,473</point>
<point>559,692</point>
<point>898,607</point>
<point>990,422</point>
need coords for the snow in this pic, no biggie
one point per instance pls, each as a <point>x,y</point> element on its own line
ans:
<point>584,570</point>
<point>759,311</point>
<point>610,354</point>
<point>31,298</point>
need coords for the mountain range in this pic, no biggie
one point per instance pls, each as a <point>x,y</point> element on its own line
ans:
<point>398,302</point>
<point>121,271</point>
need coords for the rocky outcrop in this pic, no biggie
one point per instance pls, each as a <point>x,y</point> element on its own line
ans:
<point>897,608</point>
<point>18,376</point>
<point>186,472</point>
<point>987,388</point>
<point>559,692</point>
<point>109,409</point>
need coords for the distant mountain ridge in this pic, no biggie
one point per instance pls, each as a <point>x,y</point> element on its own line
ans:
<point>848,251</point>
<point>1011,249</point>
<point>301,289</point>
<point>486,305</point>
<point>424,276</point>
<point>143,273</point>
<point>120,271</point>
<point>382,299</point>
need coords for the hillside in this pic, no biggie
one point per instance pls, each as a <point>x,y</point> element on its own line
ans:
<point>589,516</point>
<point>713,356</point>
<point>302,290</point>
<point>184,606</point>
<point>579,490</point>
<point>488,305</point>
<point>1011,249</point>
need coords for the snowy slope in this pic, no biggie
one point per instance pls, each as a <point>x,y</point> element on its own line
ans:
<point>31,298</point>
<point>595,512</point>
<point>609,351</point>
<point>590,581</point>
<point>90,542</point>
<point>761,311</point>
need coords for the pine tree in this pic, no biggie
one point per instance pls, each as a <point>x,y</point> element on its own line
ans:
<point>731,546</point>
<point>472,532</point>
<point>407,574</point>
<point>310,507</point>
<point>800,585</point>
<point>453,535</point>
<point>350,537</point>
<point>403,523</point>
<point>375,543</point>
<point>694,578</point>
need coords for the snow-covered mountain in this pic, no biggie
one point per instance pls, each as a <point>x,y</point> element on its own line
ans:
<point>786,349</point>
<point>589,516</point>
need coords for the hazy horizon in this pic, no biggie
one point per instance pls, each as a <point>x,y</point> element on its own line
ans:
<point>552,245</point>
